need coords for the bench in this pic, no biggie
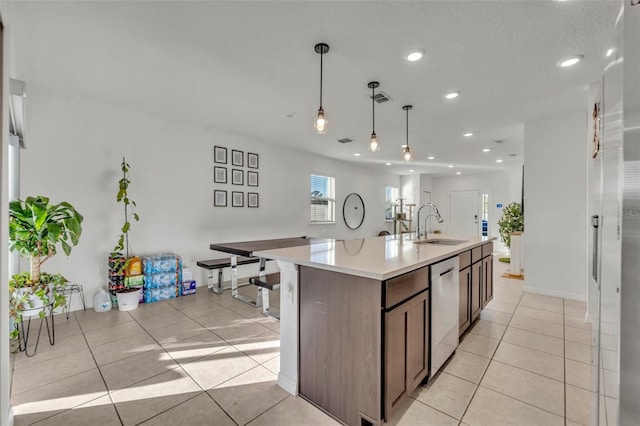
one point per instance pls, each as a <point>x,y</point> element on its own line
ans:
<point>267,283</point>
<point>212,265</point>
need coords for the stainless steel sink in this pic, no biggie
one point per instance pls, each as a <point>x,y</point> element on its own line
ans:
<point>441,241</point>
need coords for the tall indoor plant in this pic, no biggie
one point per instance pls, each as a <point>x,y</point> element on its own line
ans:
<point>129,214</point>
<point>512,220</point>
<point>36,228</point>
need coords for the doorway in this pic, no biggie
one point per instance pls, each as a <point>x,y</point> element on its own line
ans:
<point>464,213</point>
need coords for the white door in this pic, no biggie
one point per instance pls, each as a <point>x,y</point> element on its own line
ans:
<point>464,213</point>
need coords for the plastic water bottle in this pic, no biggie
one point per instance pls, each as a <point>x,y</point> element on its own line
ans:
<point>102,301</point>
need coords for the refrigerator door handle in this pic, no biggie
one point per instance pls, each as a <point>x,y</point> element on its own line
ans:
<point>595,223</point>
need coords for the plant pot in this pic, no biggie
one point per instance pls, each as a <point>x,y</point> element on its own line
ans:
<point>128,299</point>
<point>33,305</point>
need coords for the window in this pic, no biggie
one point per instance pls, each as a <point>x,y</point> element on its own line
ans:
<point>323,203</point>
<point>391,195</point>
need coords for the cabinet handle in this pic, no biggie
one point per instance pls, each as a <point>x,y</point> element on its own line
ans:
<point>595,223</point>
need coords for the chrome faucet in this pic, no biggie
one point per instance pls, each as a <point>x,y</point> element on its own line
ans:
<point>435,214</point>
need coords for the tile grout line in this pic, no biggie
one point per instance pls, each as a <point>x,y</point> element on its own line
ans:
<point>486,369</point>
<point>100,371</point>
<point>206,391</point>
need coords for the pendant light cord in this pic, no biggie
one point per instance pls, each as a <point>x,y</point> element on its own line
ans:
<point>373,107</point>
<point>321,55</point>
<point>407,127</point>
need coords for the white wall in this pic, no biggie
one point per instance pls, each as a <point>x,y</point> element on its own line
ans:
<point>410,191</point>
<point>497,184</point>
<point>74,152</point>
<point>555,240</point>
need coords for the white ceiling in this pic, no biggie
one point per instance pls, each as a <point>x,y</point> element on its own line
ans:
<point>242,66</point>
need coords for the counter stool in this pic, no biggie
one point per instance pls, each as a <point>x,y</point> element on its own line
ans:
<point>68,291</point>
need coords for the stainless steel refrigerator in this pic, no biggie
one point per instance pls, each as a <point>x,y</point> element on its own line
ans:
<point>630,278</point>
<point>614,203</point>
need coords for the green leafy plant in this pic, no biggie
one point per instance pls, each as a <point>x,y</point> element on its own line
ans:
<point>512,220</point>
<point>129,214</point>
<point>23,293</point>
<point>36,228</point>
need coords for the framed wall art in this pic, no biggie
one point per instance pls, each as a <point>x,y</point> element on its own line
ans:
<point>237,177</point>
<point>252,178</point>
<point>219,198</point>
<point>219,174</point>
<point>237,158</point>
<point>237,199</point>
<point>220,155</point>
<point>253,199</point>
<point>252,160</point>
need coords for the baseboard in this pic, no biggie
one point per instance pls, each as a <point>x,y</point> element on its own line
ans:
<point>555,293</point>
<point>10,418</point>
<point>287,384</point>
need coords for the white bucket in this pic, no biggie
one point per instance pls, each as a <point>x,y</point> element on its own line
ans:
<point>128,301</point>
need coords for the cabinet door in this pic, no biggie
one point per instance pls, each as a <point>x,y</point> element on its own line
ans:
<point>418,344</point>
<point>465,300</point>
<point>487,280</point>
<point>396,342</point>
<point>476,285</point>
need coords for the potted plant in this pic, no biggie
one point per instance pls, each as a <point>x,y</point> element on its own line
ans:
<point>512,220</point>
<point>36,228</point>
<point>119,262</point>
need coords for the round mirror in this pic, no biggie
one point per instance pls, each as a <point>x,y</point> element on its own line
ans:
<point>353,211</point>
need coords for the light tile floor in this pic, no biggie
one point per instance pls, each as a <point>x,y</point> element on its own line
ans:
<point>207,359</point>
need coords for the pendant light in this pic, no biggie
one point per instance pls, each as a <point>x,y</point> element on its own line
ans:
<point>406,153</point>
<point>321,119</point>
<point>374,145</point>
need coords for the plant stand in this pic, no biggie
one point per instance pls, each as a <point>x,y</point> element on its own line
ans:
<point>23,339</point>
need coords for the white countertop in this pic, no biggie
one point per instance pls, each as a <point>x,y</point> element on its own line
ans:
<point>378,258</point>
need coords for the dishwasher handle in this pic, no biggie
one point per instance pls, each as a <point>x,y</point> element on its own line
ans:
<point>447,271</point>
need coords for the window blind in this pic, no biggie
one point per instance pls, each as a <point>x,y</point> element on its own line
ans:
<point>322,199</point>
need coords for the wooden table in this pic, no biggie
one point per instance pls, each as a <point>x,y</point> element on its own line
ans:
<point>247,248</point>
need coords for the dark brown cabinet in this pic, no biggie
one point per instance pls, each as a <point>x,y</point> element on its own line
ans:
<point>476,286</point>
<point>464,263</point>
<point>476,283</point>
<point>487,280</point>
<point>406,339</point>
<point>406,349</point>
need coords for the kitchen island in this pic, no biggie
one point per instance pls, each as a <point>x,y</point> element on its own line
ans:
<point>357,318</point>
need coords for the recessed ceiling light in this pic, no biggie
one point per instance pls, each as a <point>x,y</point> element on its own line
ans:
<point>431,157</point>
<point>610,52</point>
<point>411,170</point>
<point>570,61</point>
<point>414,55</point>
<point>290,115</point>
<point>450,166</point>
<point>486,150</point>
<point>403,146</point>
<point>452,95</point>
<point>499,160</point>
<point>458,173</point>
<point>357,154</point>
<point>468,134</point>
<point>388,164</point>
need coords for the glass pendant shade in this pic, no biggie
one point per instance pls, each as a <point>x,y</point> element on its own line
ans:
<point>374,146</point>
<point>407,155</point>
<point>321,122</point>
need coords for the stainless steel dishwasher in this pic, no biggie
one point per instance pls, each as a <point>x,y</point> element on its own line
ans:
<point>444,311</point>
